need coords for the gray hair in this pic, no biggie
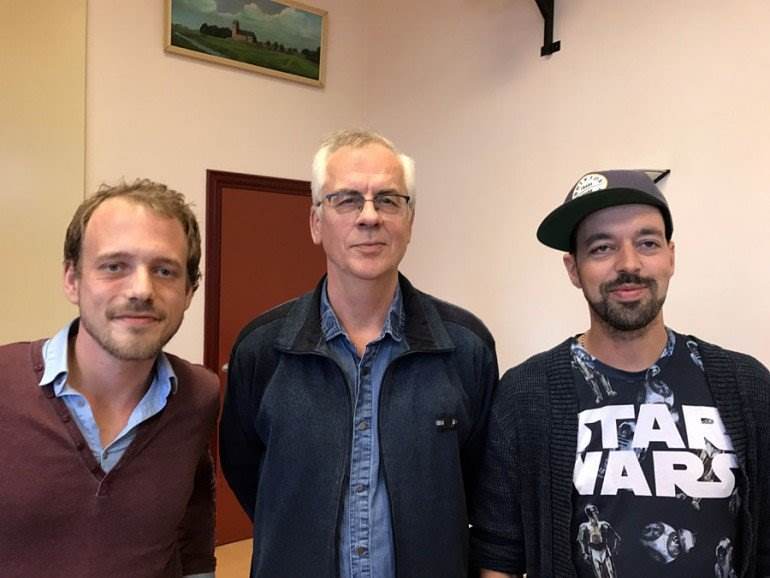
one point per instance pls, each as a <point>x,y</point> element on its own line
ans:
<point>356,138</point>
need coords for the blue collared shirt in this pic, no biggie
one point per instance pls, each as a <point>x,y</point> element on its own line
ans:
<point>154,400</point>
<point>366,535</point>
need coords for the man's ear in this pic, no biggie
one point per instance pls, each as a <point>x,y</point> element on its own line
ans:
<point>315,224</point>
<point>72,282</point>
<point>188,297</point>
<point>570,264</point>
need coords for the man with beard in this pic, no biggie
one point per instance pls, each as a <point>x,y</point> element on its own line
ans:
<point>556,447</point>
<point>106,470</point>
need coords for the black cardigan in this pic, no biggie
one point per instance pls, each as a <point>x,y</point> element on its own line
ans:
<point>522,510</point>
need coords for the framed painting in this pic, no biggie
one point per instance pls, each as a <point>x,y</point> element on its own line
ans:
<point>280,38</point>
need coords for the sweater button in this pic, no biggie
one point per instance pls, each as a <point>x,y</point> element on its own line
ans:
<point>363,425</point>
<point>362,551</point>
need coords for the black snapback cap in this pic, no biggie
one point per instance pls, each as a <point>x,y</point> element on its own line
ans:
<point>599,190</point>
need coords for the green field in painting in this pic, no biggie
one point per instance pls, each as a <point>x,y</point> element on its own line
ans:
<point>243,52</point>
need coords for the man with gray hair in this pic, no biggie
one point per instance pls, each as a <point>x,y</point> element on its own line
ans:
<point>354,414</point>
<point>103,437</point>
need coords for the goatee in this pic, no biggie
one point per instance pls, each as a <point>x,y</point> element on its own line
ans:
<point>631,315</point>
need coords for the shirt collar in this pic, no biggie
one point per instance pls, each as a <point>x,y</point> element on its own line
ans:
<point>394,320</point>
<point>55,357</point>
<point>164,373</point>
<point>667,350</point>
<point>56,370</point>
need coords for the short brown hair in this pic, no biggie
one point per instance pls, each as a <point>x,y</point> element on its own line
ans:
<point>156,196</point>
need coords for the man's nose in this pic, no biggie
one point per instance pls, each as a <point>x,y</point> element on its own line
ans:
<point>628,258</point>
<point>141,284</point>
<point>368,215</point>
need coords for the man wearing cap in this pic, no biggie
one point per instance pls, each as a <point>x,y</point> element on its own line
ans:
<point>665,435</point>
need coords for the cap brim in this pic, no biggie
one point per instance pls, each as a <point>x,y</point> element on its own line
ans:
<point>556,229</point>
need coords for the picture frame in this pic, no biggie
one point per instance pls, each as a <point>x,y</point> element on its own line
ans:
<point>280,38</point>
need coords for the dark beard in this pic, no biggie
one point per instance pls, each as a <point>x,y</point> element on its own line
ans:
<point>631,316</point>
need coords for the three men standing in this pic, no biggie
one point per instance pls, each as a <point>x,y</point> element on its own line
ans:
<point>354,416</point>
<point>630,449</point>
<point>106,469</point>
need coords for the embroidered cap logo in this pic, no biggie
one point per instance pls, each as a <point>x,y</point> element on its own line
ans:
<point>589,184</point>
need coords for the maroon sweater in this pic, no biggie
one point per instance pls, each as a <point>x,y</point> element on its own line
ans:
<point>151,516</point>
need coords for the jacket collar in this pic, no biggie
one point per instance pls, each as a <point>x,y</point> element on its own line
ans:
<point>393,325</point>
<point>423,329</point>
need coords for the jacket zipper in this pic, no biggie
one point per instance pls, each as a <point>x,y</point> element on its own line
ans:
<point>382,452</point>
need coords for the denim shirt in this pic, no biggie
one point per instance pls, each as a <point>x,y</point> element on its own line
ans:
<point>56,371</point>
<point>366,534</point>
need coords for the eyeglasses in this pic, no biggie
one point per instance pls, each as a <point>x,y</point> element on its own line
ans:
<point>346,202</point>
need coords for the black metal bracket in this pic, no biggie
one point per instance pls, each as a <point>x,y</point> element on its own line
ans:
<point>658,175</point>
<point>547,9</point>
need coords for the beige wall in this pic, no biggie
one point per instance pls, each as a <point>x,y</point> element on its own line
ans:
<point>501,134</point>
<point>169,118</point>
<point>42,151</point>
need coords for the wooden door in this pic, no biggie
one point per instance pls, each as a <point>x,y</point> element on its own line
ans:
<point>258,255</point>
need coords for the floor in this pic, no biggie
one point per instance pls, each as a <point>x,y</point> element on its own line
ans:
<point>233,560</point>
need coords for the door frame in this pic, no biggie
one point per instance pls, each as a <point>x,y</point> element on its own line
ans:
<point>216,182</point>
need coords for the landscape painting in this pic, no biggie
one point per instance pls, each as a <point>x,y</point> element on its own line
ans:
<point>285,39</point>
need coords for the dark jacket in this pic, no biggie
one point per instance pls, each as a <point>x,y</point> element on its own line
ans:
<point>522,510</point>
<point>286,433</point>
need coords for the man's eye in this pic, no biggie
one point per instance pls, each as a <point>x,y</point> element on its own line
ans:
<point>387,200</point>
<point>347,200</point>
<point>649,244</point>
<point>167,272</point>
<point>599,249</point>
<point>112,267</point>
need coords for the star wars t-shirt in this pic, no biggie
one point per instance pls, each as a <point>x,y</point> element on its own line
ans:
<point>654,479</point>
